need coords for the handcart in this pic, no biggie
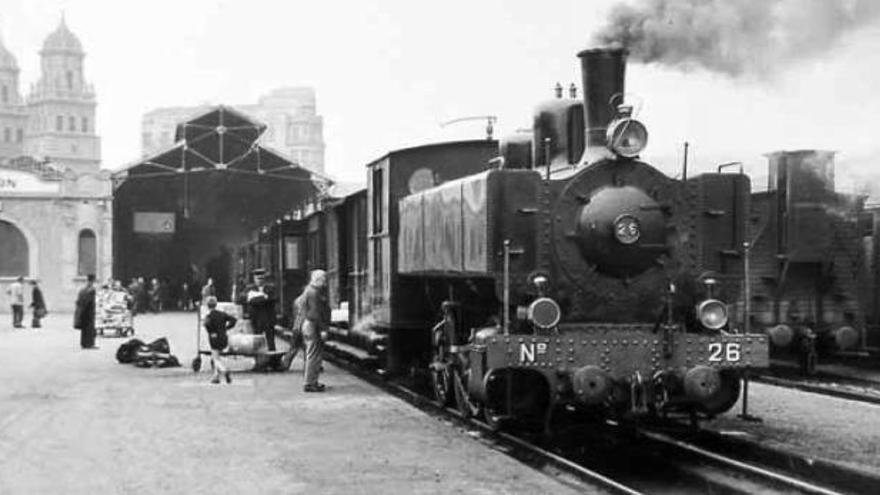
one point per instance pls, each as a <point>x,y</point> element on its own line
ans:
<point>242,342</point>
<point>113,314</point>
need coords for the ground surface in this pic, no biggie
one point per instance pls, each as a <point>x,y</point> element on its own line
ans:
<point>76,422</point>
<point>829,428</point>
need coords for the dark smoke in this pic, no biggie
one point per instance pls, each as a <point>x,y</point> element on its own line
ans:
<point>735,37</point>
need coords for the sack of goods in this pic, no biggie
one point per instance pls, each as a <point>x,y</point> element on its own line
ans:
<point>245,343</point>
<point>155,354</point>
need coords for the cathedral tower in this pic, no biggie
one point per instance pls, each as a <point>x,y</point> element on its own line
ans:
<point>61,106</point>
<point>13,117</point>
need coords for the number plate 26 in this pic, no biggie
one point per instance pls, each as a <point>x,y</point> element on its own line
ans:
<point>725,352</point>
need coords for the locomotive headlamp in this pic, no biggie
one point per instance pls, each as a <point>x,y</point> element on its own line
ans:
<point>544,313</point>
<point>627,137</point>
<point>712,314</point>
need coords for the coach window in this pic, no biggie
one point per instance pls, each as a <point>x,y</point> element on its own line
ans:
<point>293,253</point>
<point>378,213</point>
<point>14,246</point>
<point>88,253</point>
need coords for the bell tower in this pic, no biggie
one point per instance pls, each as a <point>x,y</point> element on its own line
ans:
<point>61,106</point>
<point>13,117</point>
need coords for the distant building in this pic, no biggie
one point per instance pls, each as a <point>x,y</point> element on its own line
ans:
<point>55,201</point>
<point>57,122</point>
<point>294,127</point>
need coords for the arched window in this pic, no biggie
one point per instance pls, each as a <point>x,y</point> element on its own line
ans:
<point>59,123</point>
<point>14,247</point>
<point>85,124</point>
<point>71,123</point>
<point>7,135</point>
<point>19,135</point>
<point>5,95</point>
<point>88,253</point>
<point>69,79</point>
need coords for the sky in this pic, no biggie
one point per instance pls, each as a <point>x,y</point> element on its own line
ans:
<point>387,73</point>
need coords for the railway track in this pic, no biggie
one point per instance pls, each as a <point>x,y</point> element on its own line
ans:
<point>861,391</point>
<point>647,459</point>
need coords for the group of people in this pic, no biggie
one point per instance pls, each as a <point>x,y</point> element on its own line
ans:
<point>16,291</point>
<point>146,296</point>
<point>311,316</point>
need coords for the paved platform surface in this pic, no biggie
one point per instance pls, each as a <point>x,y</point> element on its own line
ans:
<point>77,422</point>
<point>829,428</point>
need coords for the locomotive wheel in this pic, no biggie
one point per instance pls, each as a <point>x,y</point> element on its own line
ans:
<point>285,361</point>
<point>463,403</point>
<point>495,421</point>
<point>442,384</point>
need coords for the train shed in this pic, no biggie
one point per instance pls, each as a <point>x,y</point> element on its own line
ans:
<point>179,214</point>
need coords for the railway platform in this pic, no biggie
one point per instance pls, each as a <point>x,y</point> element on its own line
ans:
<point>79,422</point>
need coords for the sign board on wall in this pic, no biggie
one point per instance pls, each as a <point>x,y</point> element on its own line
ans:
<point>19,182</point>
<point>154,222</point>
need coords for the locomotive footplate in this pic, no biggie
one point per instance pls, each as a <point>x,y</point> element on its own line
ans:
<point>625,349</point>
<point>591,365</point>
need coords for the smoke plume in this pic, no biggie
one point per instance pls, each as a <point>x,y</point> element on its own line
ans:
<point>735,37</point>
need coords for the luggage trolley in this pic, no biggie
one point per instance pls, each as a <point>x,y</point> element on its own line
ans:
<point>113,314</point>
<point>242,341</point>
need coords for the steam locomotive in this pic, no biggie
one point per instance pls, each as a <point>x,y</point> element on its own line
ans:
<point>811,280</point>
<point>551,270</point>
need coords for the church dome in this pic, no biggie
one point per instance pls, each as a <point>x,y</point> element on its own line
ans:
<point>7,59</point>
<point>62,40</point>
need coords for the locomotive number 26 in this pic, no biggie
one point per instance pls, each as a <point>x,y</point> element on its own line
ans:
<point>731,351</point>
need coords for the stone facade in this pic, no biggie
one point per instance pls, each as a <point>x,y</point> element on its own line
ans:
<point>293,126</point>
<point>65,219</point>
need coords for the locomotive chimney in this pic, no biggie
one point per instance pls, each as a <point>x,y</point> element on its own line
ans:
<point>603,71</point>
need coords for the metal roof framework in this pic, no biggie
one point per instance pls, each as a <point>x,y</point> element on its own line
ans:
<point>221,139</point>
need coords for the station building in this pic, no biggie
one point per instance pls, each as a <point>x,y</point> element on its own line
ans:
<point>55,200</point>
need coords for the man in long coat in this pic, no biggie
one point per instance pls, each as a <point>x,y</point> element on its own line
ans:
<point>84,318</point>
<point>38,304</point>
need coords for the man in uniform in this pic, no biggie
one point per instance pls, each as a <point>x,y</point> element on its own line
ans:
<point>259,299</point>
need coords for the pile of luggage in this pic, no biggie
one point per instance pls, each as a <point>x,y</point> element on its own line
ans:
<point>156,354</point>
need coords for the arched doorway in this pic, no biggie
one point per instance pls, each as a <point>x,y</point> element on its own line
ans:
<point>15,260</point>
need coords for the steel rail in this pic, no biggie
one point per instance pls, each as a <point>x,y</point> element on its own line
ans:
<point>751,469</point>
<point>817,389</point>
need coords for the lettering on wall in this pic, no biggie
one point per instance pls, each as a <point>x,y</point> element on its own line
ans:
<point>18,182</point>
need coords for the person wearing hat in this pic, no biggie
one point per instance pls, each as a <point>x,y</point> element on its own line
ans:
<point>84,318</point>
<point>260,299</point>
